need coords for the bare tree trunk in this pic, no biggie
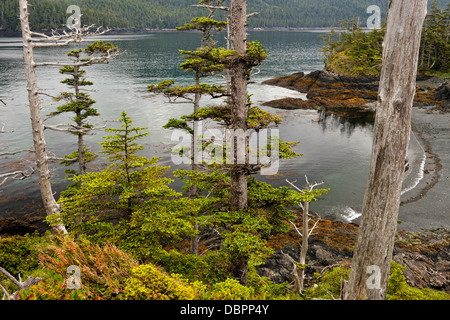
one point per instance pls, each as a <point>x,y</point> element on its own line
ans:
<point>304,249</point>
<point>299,267</point>
<point>239,109</point>
<point>373,251</point>
<point>51,207</point>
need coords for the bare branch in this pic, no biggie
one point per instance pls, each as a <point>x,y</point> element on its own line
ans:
<point>296,229</point>
<point>15,152</point>
<point>62,159</point>
<point>2,130</point>
<point>313,227</point>
<point>294,186</point>
<point>310,186</point>
<point>211,7</point>
<point>31,281</point>
<point>104,59</point>
<point>252,14</point>
<point>16,175</point>
<point>5,293</point>
<point>2,102</point>
<point>71,128</point>
<point>76,34</point>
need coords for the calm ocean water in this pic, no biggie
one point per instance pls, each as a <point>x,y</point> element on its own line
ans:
<point>336,151</point>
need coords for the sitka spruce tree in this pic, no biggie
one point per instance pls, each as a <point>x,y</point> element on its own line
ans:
<point>239,228</point>
<point>205,61</point>
<point>78,103</point>
<point>130,202</point>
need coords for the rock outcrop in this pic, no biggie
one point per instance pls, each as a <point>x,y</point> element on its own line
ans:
<point>327,89</point>
<point>425,255</point>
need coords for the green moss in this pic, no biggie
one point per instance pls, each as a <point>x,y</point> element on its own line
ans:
<point>329,285</point>
<point>399,289</point>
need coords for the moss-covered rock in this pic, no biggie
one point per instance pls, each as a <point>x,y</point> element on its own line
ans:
<point>328,89</point>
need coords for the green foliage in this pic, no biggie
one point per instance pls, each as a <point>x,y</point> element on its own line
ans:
<point>121,147</point>
<point>203,24</point>
<point>147,282</point>
<point>206,60</point>
<point>104,270</point>
<point>434,54</point>
<point>265,289</point>
<point>80,104</point>
<point>17,255</point>
<point>170,91</point>
<point>354,51</point>
<point>49,14</point>
<point>255,55</point>
<point>209,268</point>
<point>399,289</point>
<point>232,289</point>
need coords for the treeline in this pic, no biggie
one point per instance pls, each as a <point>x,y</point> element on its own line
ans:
<point>159,14</point>
<point>356,52</point>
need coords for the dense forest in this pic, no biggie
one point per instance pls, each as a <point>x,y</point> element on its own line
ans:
<point>356,52</point>
<point>158,14</point>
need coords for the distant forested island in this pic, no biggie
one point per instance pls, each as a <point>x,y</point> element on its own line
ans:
<point>163,14</point>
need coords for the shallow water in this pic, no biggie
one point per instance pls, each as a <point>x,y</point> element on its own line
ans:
<point>336,151</point>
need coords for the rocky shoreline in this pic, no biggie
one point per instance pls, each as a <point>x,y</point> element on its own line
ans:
<point>329,90</point>
<point>422,246</point>
<point>426,255</point>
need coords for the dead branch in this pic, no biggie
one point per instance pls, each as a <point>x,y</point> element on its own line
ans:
<point>31,281</point>
<point>207,6</point>
<point>2,130</point>
<point>75,35</point>
<point>11,153</point>
<point>296,229</point>
<point>16,175</point>
<point>104,59</point>
<point>71,128</point>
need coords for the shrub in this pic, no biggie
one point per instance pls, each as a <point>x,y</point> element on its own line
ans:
<point>147,282</point>
<point>265,289</point>
<point>232,289</point>
<point>210,268</point>
<point>104,270</point>
<point>17,255</point>
<point>399,289</point>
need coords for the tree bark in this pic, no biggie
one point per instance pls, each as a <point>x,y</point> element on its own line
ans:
<point>375,241</point>
<point>51,207</point>
<point>239,109</point>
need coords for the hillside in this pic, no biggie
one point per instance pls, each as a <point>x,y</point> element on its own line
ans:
<point>158,14</point>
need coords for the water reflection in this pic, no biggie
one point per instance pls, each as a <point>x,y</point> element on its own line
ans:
<point>347,119</point>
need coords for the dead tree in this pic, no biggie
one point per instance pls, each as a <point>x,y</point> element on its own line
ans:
<point>374,246</point>
<point>31,281</point>
<point>32,40</point>
<point>239,99</point>
<point>300,266</point>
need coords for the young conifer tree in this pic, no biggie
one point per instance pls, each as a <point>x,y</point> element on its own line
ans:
<point>130,202</point>
<point>79,103</point>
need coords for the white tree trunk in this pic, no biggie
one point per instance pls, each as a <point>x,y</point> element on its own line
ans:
<point>51,207</point>
<point>373,251</point>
